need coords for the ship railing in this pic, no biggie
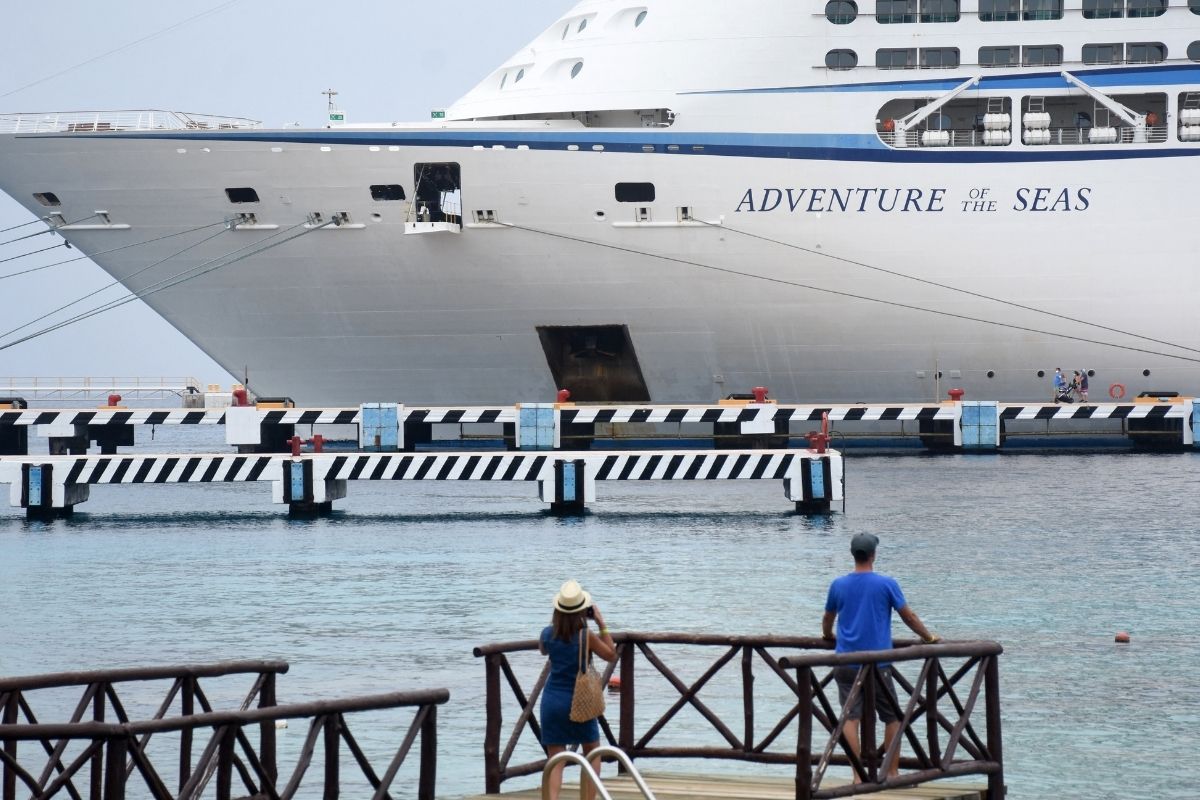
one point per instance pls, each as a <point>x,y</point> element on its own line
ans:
<point>88,388</point>
<point>970,137</point>
<point>105,121</point>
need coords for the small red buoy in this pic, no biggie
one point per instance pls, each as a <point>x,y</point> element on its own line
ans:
<point>614,684</point>
<point>1152,119</point>
<point>1121,638</point>
<point>564,395</point>
<point>889,125</point>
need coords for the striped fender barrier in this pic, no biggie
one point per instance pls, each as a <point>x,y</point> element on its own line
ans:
<point>812,479</point>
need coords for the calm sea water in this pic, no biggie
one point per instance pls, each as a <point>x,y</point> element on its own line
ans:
<point>1048,554</point>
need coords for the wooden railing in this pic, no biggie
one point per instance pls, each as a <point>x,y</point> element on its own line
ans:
<point>103,756</point>
<point>790,701</point>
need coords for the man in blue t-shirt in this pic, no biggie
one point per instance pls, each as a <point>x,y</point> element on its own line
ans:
<point>861,603</point>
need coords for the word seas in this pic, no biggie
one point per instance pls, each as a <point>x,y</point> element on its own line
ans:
<point>911,200</point>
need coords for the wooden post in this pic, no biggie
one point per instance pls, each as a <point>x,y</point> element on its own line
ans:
<point>427,782</point>
<point>187,708</point>
<point>748,697</point>
<point>228,736</point>
<point>10,747</point>
<point>996,788</point>
<point>491,736</point>
<point>332,753</point>
<point>116,752</point>
<point>931,724</point>
<point>97,785</point>
<point>804,707</point>
<point>628,698</point>
<point>266,730</point>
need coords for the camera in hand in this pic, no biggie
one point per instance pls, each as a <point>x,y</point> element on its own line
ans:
<point>591,612</point>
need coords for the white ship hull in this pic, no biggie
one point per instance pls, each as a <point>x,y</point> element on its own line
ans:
<point>803,261</point>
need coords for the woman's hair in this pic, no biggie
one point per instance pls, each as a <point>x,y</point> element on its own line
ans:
<point>567,625</point>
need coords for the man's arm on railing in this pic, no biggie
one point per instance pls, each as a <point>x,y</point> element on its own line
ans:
<point>827,625</point>
<point>916,626</point>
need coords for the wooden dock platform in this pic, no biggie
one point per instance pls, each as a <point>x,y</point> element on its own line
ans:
<point>675,786</point>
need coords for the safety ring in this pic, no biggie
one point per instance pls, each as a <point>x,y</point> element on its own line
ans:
<point>1116,391</point>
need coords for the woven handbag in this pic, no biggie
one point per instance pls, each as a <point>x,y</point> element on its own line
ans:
<point>587,702</point>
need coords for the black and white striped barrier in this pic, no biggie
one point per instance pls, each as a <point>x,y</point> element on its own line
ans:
<point>390,427</point>
<point>310,483</point>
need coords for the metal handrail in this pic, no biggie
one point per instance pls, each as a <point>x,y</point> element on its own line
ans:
<point>118,120</point>
<point>585,765</point>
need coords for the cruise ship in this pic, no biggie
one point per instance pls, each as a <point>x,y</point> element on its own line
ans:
<point>678,200</point>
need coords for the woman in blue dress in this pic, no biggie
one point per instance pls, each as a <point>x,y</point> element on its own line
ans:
<point>560,641</point>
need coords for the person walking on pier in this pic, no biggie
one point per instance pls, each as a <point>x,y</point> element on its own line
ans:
<point>1060,385</point>
<point>561,641</point>
<point>861,603</point>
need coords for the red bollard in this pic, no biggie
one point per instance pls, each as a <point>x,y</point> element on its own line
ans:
<point>114,400</point>
<point>318,443</point>
<point>957,394</point>
<point>295,442</point>
<point>241,398</point>
<point>760,394</point>
<point>817,441</point>
<point>563,395</point>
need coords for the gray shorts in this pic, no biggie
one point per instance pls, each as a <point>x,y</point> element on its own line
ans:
<point>884,688</point>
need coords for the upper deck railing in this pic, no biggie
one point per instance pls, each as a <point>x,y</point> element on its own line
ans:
<point>106,121</point>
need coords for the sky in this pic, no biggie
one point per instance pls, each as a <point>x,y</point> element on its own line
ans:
<point>268,60</point>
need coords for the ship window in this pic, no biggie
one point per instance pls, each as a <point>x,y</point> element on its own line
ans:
<point>1146,52</point>
<point>1193,54</point>
<point>999,10</point>
<point>635,192</point>
<point>1083,119</point>
<point>641,17</point>
<point>998,56</point>
<point>582,24</point>
<point>1103,53</point>
<point>566,30</point>
<point>939,57</point>
<point>939,11</point>
<point>1194,5</point>
<point>520,75</point>
<point>387,191</point>
<point>890,11</point>
<point>242,195</point>
<point>1103,9</point>
<point>1046,55</point>
<point>1043,9</point>
<point>1147,8</point>
<point>899,58</point>
<point>438,191</point>
<point>503,80</point>
<point>50,199</point>
<point>575,70</point>
<point>841,12</point>
<point>841,59</point>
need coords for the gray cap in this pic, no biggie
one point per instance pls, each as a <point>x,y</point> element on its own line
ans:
<point>864,544</point>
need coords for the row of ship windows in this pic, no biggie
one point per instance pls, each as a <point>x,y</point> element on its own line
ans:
<point>1010,56</point>
<point>624,192</point>
<point>843,12</point>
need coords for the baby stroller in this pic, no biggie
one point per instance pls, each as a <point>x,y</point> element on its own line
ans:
<point>1064,396</point>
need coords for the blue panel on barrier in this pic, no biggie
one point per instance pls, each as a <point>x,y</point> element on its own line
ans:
<point>537,427</point>
<point>818,479</point>
<point>297,480</point>
<point>980,423</point>
<point>568,482</point>
<point>1196,423</point>
<point>380,426</point>
<point>35,486</point>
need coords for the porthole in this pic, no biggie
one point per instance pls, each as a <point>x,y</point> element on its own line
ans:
<point>1145,373</point>
<point>600,215</point>
<point>841,12</point>
<point>48,199</point>
<point>575,70</point>
<point>841,59</point>
<point>242,195</point>
<point>991,374</point>
<point>1041,373</point>
<point>1194,51</point>
<point>641,17</point>
<point>582,25</point>
<point>1194,6</point>
<point>1091,373</point>
<point>520,76</point>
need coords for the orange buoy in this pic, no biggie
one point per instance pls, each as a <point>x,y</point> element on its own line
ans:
<point>1116,391</point>
<point>614,684</point>
<point>1121,638</point>
<point>1152,119</point>
<point>889,125</point>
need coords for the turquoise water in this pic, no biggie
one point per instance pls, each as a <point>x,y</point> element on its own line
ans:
<point>1048,554</point>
